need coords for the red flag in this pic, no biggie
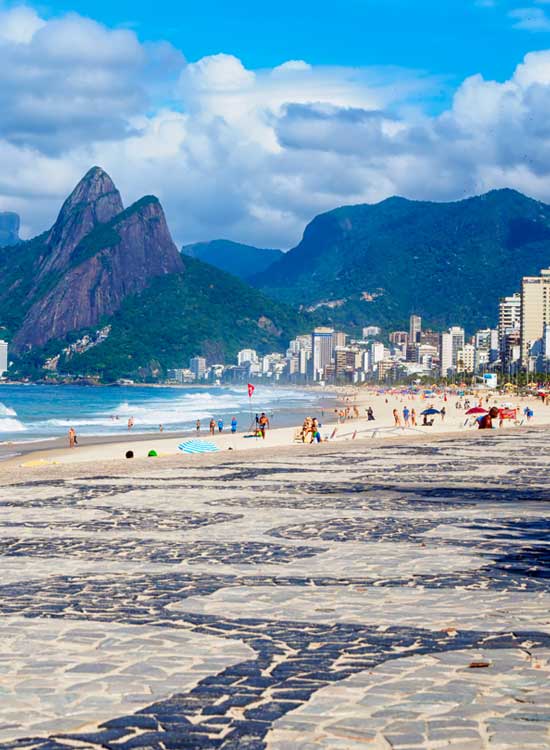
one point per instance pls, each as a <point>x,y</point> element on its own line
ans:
<point>251,390</point>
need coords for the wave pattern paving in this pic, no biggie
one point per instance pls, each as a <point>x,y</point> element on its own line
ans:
<point>384,597</point>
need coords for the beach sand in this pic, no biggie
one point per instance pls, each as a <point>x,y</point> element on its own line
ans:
<point>103,451</point>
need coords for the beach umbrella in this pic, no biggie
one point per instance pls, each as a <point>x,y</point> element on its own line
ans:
<point>477,410</point>
<point>197,446</point>
<point>430,411</point>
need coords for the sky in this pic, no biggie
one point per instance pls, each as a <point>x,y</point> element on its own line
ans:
<point>247,119</point>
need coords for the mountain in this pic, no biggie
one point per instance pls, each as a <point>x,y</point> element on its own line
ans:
<point>95,255</point>
<point>449,262</point>
<point>9,228</point>
<point>200,311</point>
<point>105,291</point>
<point>240,260</point>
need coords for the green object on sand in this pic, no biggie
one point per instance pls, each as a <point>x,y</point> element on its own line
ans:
<point>152,454</point>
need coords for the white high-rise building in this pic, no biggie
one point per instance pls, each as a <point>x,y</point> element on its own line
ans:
<point>3,357</point>
<point>465,359</point>
<point>322,347</point>
<point>457,338</point>
<point>370,331</point>
<point>247,357</point>
<point>446,354</point>
<point>197,365</point>
<point>535,311</point>
<point>300,344</point>
<point>509,314</point>
<point>415,328</point>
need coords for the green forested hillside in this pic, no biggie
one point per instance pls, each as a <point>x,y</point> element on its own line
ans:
<point>240,260</point>
<point>201,311</point>
<point>449,262</point>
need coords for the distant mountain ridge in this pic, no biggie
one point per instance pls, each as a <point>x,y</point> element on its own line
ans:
<point>449,262</point>
<point>9,228</point>
<point>234,257</point>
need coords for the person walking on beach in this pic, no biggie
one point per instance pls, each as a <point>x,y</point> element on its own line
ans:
<point>212,426</point>
<point>72,437</point>
<point>413,417</point>
<point>443,412</point>
<point>220,425</point>
<point>370,414</point>
<point>396,418</point>
<point>198,426</point>
<point>234,425</point>
<point>406,415</point>
<point>263,424</point>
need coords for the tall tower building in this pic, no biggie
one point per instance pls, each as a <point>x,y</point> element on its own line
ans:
<point>197,365</point>
<point>535,310</point>
<point>446,353</point>
<point>322,348</point>
<point>457,339</point>
<point>3,357</point>
<point>415,329</point>
<point>339,339</point>
<point>509,315</point>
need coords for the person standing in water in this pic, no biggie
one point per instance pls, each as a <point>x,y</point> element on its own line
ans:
<point>72,437</point>
<point>130,423</point>
<point>198,426</point>
<point>212,426</point>
<point>234,425</point>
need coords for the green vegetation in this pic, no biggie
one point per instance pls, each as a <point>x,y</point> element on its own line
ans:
<point>240,260</point>
<point>202,311</point>
<point>449,262</point>
<point>18,268</point>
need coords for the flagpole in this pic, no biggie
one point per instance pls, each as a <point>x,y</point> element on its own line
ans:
<point>250,394</point>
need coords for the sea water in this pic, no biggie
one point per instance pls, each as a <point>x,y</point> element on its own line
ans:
<point>38,412</point>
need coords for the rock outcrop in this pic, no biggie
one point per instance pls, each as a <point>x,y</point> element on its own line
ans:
<point>95,200</point>
<point>95,256</point>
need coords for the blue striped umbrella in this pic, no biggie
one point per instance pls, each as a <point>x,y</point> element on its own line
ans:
<point>197,446</point>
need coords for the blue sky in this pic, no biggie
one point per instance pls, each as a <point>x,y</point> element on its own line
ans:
<point>455,38</point>
<point>248,118</point>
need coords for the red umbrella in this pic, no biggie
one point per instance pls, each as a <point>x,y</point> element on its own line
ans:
<point>477,410</point>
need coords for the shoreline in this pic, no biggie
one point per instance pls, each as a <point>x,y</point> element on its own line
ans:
<point>104,451</point>
<point>14,473</point>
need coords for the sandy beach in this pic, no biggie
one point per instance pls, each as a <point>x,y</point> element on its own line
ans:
<point>334,429</point>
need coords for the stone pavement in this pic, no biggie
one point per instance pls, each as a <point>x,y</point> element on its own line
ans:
<point>376,596</point>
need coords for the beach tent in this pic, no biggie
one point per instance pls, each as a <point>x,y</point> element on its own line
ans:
<point>197,446</point>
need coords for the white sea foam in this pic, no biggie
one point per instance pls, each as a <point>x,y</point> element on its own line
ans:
<point>173,409</point>
<point>11,425</point>
<point>5,411</point>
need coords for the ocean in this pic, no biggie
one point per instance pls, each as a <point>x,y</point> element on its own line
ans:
<point>39,412</point>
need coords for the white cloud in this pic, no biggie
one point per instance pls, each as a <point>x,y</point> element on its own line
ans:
<point>249,154</point>
<point>19,25</point>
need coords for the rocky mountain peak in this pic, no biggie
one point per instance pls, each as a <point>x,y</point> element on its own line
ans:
<point>95,200</point>
<point>115,259</point>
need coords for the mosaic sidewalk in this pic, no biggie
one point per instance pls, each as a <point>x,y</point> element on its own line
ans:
<point>393,596</point>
